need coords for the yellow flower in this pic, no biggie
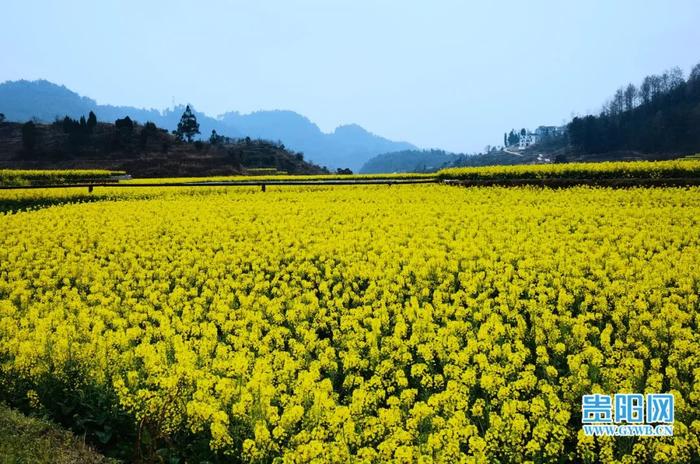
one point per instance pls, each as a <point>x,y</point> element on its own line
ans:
<point>420,323</point>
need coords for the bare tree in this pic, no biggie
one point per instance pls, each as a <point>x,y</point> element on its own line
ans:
<point>618,102</point>
<point>656,85</point>
<point>630,97</point>
<point>665,80</point>
<point>645,90</point>
<point>675,78</point>
<point>695,73</point>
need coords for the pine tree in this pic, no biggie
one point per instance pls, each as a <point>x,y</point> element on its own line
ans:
<point>188,126</point>
<point>215,139</point>
<point>91,121</point>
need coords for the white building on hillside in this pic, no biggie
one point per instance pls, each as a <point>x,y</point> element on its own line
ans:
<point>541,133</point>
<point>527,140</point>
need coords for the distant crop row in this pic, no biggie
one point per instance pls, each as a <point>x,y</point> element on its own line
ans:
<point>26,177</point>
<point>685,168</point>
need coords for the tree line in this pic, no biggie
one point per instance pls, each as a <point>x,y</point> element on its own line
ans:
<point>661,115</point>
<point>126,134</point>
<point>79,130</point>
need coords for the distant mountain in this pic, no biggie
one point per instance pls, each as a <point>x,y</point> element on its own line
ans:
<point>348,146</point>
<point>408,161</point>
<point>24,100</point>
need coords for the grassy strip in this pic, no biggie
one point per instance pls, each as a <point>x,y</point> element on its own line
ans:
<point>25,177</point>
<point>26,439</point>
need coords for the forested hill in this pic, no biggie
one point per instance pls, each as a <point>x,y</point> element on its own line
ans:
<point>662,115</point>
<point>140,150</point>
<point>348,146</point>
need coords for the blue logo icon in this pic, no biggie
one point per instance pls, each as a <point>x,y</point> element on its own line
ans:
<point>660,408</point>
<point>629,407</point>
<point>596,409</point>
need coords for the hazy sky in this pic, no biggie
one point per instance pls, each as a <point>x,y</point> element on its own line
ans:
<point>449,74</point>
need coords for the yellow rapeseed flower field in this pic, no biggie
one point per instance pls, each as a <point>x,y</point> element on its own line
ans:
<point>677,168</point>
<point>404,324</point>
